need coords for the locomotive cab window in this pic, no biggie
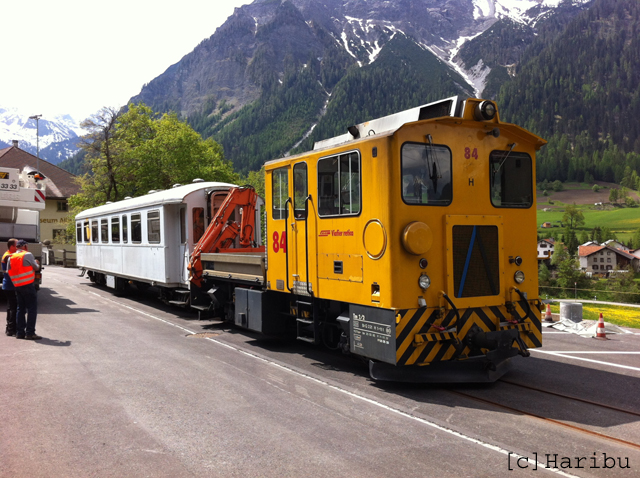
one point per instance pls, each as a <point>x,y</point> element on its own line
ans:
<point>299,190</point>
<point>153,227</point>
<point>280,192</point>
<point>339,185</point>
<point>426,174</point>
<point>511,179</point>
<point>136,229</point>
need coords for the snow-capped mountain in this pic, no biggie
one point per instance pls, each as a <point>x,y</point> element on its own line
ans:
<point>221,66</point>
<point>228,86</point>
<point>56,136</point>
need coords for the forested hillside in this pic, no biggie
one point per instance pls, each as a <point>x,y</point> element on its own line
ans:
<point>404,76</point>
<point>581,91</point>
<point>278,76</point>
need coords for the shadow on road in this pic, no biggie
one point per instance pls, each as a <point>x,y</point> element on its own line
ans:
<point>52,303</point>
<point>54,342</point>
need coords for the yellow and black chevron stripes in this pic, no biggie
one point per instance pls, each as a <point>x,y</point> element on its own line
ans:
<point>418,343</point>
<point>439,337</point>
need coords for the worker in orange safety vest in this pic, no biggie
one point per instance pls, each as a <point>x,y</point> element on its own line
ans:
<point>9,289</point>
<point>22,271</point>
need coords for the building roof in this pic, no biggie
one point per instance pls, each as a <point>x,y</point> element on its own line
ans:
<point>60,185</point>
<point>550,240</point>
<point>584,251</point>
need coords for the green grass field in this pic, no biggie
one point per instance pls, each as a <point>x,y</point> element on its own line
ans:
<point>623,221</point>
<point>622,316</point>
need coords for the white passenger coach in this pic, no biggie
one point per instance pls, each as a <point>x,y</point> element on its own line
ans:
<point>148,240</point>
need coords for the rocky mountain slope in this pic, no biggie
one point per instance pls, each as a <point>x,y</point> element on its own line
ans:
<point>275,70</point>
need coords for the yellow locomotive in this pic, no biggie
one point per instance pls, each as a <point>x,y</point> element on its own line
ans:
<point>415,236</point>
<point>409,241</point>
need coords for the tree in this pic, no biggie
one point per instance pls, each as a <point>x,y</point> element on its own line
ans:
<point>635,239</point>
<point>624,194</point>
<point>102,156</point>
<point>571,241</point>
<point>607,234</point>
<point>568,273</point>
<point>557,185</point>
<point>584,237</point>
<point>544,276</point>
<point>573,216</point>
<point>613,195</point>
<point>133,152</point>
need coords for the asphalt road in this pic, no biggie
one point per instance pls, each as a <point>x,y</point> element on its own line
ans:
<point>121,387</point>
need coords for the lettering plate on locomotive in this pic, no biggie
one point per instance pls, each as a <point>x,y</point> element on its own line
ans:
<point>373,333</point>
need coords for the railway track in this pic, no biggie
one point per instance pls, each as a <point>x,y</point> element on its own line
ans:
<point>570,397</point>
<point>561,423</point>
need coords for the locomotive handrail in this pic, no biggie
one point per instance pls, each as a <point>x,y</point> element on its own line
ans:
<point>306,239</point>
<point>286,241</point>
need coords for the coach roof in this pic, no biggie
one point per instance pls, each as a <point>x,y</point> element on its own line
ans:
<point>175,195</point>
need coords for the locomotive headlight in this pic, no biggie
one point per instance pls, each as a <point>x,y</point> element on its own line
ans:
<point>424,282</point>
<point>485,111</point>
<point>518,277</point>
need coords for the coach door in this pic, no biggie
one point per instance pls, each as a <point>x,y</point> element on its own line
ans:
<point>184,246</point>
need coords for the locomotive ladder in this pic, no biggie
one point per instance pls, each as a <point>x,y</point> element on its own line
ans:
<point>306,327</point>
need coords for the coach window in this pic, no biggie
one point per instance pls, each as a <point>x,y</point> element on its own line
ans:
<point>94,231</point>
<point>198,223</point>
<point>339,185</point>
<point>125,229</point>
<point>115,229</point>
<point>426,174</point>
<point>78,232</point>
<point>87,231</point>
<point>511,179</point>
<point>136,229</point>
<point>153,227</point>
<point>299,190</point>
<point>104,231</point>
<point>279,192</point>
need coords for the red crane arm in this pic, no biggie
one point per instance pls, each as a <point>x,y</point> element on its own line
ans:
<point>222,231</point>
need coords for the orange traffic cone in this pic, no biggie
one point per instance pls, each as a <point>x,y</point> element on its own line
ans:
<point>600,332</point>
<point>547,315</point>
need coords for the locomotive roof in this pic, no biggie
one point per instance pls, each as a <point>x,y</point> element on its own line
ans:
<point>446,107</point>
<point>167,196</point>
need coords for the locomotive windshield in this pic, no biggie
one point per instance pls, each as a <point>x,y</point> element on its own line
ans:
<point>511,179</point>
<point>426,174</point>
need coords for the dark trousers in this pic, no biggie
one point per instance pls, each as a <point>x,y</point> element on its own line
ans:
<point>27,306</point>
<point>12,308</point>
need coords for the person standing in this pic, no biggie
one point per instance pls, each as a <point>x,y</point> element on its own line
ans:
<point>9,289</point>
<point>22,270</point>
